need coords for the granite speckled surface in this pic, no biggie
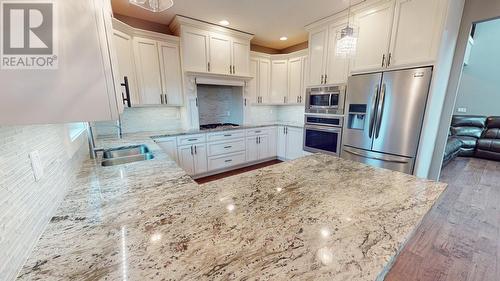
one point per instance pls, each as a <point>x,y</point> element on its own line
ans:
<point>315,218</point>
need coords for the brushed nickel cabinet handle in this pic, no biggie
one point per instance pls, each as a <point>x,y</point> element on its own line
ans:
<point>383,60</point>
<point>389,60</point>
<point>195,150</point>
<point>208,64</point>
<point>326,78</point>
<point>228,161</point>
<point>161,99</point>
<point>227,147</point>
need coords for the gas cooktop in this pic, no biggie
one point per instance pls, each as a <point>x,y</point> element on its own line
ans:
<point>218,126</point>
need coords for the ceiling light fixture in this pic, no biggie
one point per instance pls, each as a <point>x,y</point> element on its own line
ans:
<point>284,38</point>
<point>347,40</point>
<point>224,22</point>
<point>153,5</point>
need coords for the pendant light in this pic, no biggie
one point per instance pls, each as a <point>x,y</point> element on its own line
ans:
<point>347,40</point>
<point>153,5</point>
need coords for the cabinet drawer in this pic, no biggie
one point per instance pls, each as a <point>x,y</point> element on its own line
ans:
<point>226,147</point>
<point>191,139</point>
<point>226,161</point>
<point>219,136</point>
<point>257,131</point>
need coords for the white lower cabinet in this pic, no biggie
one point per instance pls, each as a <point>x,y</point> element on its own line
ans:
<point>226,161</point>
<point>169,146</point>
<point>193,158</point>
<point>290,143</point>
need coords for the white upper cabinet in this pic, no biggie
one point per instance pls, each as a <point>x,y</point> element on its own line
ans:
<point>337,66</point>
<point>82,88</point>
<point>295,80</point>
<point>318,41</point>
<point>279,81</point>
<point>212,49</point>
<point>171,73</point>
<point>391,34</point>
<point>416,32</point>
<point>195,50</point>
<point>148,71</point>
<point>126,67</point>
<point>253,84</point>
<point>220,54</point>
<point>264,83</point>
<point>240,57</point>
<point>374,26</point>
<point>153,68</point>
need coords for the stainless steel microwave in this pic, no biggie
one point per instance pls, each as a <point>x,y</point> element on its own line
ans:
<point>326,100</point>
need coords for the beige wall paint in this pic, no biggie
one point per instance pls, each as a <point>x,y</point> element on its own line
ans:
<point>271,51</point>
<point>295,48</point>
<point>143,24</point>
<point>474,11</point>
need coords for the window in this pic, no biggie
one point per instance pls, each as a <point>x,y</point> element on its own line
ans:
<point>76,129</point>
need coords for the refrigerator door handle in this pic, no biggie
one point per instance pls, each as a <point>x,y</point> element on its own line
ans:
<point>380,113</point>
<point>373,113</point>
<point>375,158</point>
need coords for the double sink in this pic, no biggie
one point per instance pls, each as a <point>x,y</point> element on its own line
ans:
<point>125,155</point>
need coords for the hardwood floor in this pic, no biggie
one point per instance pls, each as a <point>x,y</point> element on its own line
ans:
<point>459,239</point>
<point>236,172</point>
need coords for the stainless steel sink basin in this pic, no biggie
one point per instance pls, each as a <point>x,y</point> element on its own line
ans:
<point>127,159</point>
<point>125,155</point>
<point>125,151</point>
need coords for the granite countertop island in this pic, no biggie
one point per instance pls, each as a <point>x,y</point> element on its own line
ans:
<point>315,218</point>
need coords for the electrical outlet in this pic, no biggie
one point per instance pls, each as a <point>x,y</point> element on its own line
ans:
<point>462,110</point>
<point>36,165</point>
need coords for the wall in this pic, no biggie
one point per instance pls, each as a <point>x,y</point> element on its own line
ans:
<point>26,206</point>
<point>291,114</point>
<point>220,104</point>
<point>474,11</point>
<point>271,51</point>
<point>143,119</point>
<point>479,89</point>
<point>143,24</point>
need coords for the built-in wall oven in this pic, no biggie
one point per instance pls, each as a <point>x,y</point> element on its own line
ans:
<point>326,100</point>
<point>323,133</point>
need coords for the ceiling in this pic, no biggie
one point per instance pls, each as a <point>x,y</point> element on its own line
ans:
<point>267,19</point>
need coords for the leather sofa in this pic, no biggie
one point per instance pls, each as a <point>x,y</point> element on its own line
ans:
<point>488,146</point>
<point>473,136</point>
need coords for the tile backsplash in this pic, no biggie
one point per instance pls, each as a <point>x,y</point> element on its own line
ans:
<point>26,206</point>
<point>220,104</point>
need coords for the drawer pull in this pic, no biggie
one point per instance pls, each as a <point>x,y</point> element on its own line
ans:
<point>258,132</point>
<point>228,135</point>
<point>228,161</point>
<point>192,139</point>
<point>226,147</point>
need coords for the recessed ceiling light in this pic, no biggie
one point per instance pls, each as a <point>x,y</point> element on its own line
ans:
<point>224,22</point>
<point>284,38</point>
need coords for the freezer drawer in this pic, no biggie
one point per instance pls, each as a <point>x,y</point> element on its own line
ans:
<point>385,161</point>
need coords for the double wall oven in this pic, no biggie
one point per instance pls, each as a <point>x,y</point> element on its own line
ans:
<point>324,119</point>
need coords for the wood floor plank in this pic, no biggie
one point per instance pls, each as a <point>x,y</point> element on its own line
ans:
<point>459,239</point>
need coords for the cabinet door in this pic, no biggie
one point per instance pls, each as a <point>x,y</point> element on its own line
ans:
<point>220,54</point>
<point>279,81</point>
<point>171,75</point>
<point>295,80</point>
<point>281,142</point>
<point>148,71</point>
<point>240,57</point>
<point>374,31</point>
<point>252,149</point>
<point>264,85</point>
<point>264,147</point>
<point>186,159</point>
<point>338,66</point>
<point>195,50</point>
<point>317,55</point>
<point>305,83</point>
<point>169,146</point>
<point>200,158</point>
<point>126,67</point>
<point>416,31</point>
<point>254,83</point>
<point>294,143</point>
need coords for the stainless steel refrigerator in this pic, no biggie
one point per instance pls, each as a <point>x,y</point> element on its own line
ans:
<point>385,116</point>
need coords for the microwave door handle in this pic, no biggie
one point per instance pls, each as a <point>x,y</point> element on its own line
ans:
<point>373,108</point>
<point>380,112</point>
<point>330,100</point>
